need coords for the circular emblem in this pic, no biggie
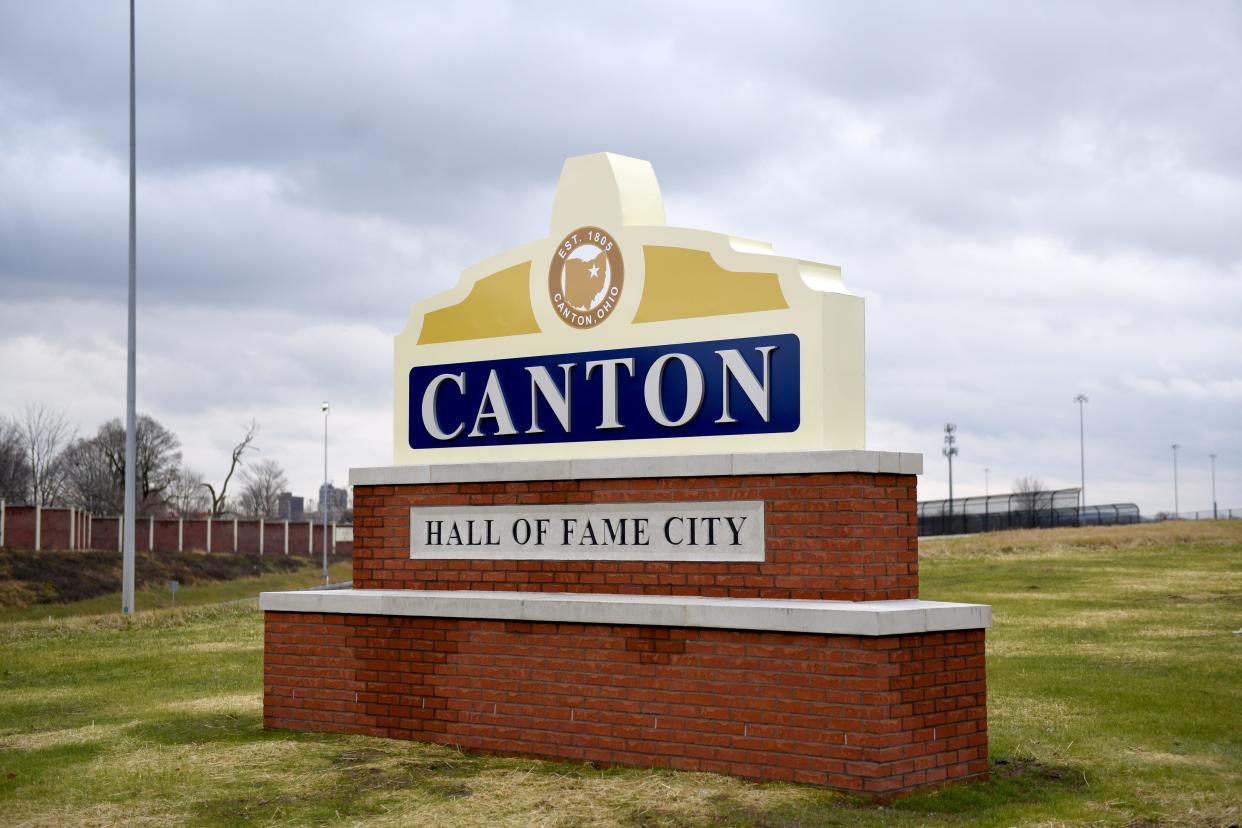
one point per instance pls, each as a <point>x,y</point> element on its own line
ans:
<point>586,277</point>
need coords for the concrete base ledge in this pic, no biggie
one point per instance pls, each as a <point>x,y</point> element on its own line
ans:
<point>612,468</point>
<point>869,618</point>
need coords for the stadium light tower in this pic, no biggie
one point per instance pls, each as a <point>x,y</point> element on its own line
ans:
<point>987,489</point>
<point>1082,455</point>
<point>1176,505</point>
<point>323,494</point>
<point>950,451</point>
<point>1215,515</point>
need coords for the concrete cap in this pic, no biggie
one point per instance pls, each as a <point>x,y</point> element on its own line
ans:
<point>866,618</point>
<point>701,465</point>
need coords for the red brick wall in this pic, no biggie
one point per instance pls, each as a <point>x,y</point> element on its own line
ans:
<point>57,523</point>
<point>101,533</point>
<point>55,529</point>
<point>19,526</point>
<point>874,715</point>
<point>105,533</point>
<point>343,548</point>
<point>221,536</point>
<point>273,538</point>
<point>247,535</point>
<point>297,539</point>
<point>829,537</point>
<point>166,534</point>
<point>194,534</point>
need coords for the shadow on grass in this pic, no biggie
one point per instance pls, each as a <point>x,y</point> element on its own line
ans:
<point>1017,780</point>
<point>227,728</point>
<point>1014,780</point>
<point>348,790</point>
<point>356,781</point>
<point>21,769</point>
<point>815,808</point>
<point>35,716</point>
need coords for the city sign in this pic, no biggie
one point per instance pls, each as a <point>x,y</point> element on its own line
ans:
<point>617,335</point>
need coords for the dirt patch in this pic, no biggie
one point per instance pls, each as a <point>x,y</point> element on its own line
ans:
<point>450,790</point>
<point>363,756</point>
<point>1026,768</point>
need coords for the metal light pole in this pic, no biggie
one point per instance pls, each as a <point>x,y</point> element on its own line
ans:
<point>323,494</point>
<point>1176,505</point>
<point>1082,456</point>
<point>987,498</point>
<point>131,375</point>
<point>1215,516</point>
<point>950,451</point>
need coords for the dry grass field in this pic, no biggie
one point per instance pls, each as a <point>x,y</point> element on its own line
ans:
<point>1115,698</point>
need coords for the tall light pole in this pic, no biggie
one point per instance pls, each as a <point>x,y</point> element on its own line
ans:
<point>1214,513</point>
<point>131,373</point>
<point>1176,505</point>
<point>323,494</point>
<point>987,489</point>
<point>950,451</point>
<point>1082,455</point>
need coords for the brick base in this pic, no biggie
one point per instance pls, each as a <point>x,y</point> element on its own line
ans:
<point>869,715</point>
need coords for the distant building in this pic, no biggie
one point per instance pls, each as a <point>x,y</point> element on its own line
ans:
<point>289,507</point>
<point>336,499</point>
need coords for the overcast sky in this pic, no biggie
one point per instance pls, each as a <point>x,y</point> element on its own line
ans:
<point>1036,200</point>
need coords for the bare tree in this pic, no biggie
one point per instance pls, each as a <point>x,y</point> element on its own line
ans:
<point>14,470</point>
<point>158,454</point>
<point>92,483</point>
<point>44,434</point>
<point>1032,501</point>
<point>219,500</point>
<point>262,484</point>
<point>186,495</point>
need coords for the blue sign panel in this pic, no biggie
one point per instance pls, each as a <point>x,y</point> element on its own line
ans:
<point>729,386</point>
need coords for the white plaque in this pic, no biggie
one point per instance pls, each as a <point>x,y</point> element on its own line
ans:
<point>699,531</point>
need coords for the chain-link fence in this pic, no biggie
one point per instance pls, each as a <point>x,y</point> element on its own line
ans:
<point>1020,510</point>
<point>1202,514</point>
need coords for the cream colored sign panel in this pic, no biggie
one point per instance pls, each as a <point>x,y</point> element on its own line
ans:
<point>618,336</point>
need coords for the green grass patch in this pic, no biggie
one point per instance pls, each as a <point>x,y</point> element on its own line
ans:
<point>1115,685</point>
